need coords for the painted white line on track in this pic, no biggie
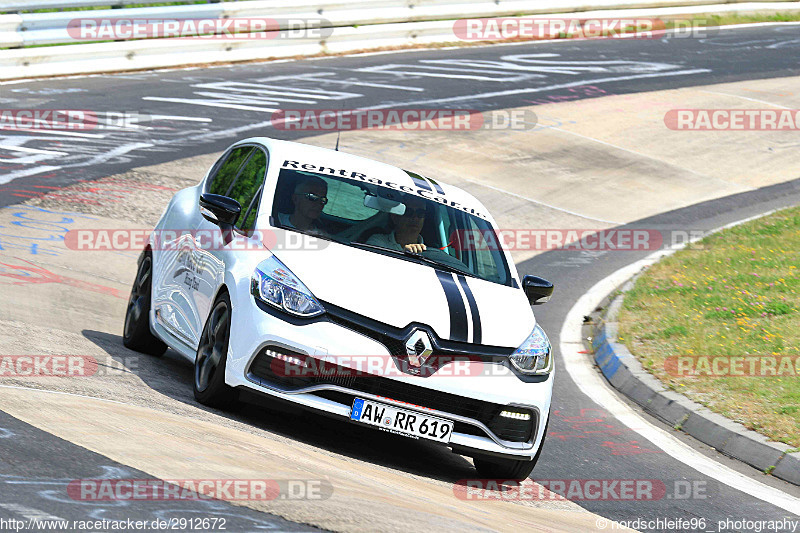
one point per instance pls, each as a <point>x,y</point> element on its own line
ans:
<point>174,117</point>
<point>583,372</point>
<point>29,512</point>
<point>510,92</point>
<point>120,150</point>
<point>210,103</point>
<point>26,172</point>
<point>30,150</point>
<point>62,133</point>
<point>368,84</point>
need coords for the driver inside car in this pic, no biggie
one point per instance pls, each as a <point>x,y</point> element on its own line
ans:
<point>405,234</point>
<point>406,229</point>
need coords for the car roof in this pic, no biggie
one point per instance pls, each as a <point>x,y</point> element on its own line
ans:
<point>345,164</point>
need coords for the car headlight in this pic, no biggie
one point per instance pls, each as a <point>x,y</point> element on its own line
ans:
<point>273,283</point>
<point>534,356</point>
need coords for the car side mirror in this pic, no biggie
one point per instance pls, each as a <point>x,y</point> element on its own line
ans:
<point>538,290</point>
<point>220,210</point>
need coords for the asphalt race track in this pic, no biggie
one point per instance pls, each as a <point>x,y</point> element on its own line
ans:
<point>201,111</point>
<point>37,466</point>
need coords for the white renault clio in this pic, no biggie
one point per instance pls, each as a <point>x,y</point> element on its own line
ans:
<point>353,288</point>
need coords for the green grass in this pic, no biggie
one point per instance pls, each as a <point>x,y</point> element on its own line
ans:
<point>736,294</point>
<point>734,18</point>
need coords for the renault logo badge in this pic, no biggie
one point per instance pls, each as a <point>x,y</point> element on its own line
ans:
<point>418,347</point>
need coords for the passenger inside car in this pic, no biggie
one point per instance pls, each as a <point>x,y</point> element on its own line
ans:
<point>308,200</point>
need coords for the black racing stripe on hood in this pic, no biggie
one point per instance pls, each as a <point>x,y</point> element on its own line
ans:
<point>419,181</point>
<point>436,186</point>
<point>473,308</point>
<point>458,312</point>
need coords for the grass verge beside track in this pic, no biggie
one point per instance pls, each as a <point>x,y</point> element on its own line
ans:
<point>730,19</point>
<point>733,294</point>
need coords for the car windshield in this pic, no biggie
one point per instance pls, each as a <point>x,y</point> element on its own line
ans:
<point>387,221</point>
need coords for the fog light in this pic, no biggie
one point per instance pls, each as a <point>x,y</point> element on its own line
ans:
<point>515,416</point>
<point>285,358</point>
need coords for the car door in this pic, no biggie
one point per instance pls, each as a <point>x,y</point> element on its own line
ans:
<point>174,275</point>
<point>245,185</point>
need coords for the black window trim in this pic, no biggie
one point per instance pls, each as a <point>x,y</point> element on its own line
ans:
<point>256,200</point>
<point>260,191</point>
<point>240,170</point>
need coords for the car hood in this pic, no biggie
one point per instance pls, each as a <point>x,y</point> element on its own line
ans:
<point>398,292</point>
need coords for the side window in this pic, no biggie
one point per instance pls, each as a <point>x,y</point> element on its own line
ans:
<point>222,181</point>
<point>247,188</point>
<point>485,257</point>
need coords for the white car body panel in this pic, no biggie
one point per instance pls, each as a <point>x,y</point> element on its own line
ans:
<point>410,293</point>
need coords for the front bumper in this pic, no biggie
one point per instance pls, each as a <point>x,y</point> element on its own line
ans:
<point>472,399</point>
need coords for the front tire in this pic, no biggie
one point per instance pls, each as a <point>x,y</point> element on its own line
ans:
<point>136,333</point>
<point>212,356</point>
<point>495,468</point>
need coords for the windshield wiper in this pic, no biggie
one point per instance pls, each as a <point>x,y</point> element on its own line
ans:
<point>444,266</point>
<point>420,257</point>
<point>381,248</point>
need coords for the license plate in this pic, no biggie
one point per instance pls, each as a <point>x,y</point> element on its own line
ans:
<point>402,421</point>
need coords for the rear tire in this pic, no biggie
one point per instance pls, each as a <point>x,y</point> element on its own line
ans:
<point>212,356</point>
<point>136,333</point>
<point>494,468</point>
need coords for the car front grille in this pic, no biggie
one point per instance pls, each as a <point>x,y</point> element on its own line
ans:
<point>264,368</point>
